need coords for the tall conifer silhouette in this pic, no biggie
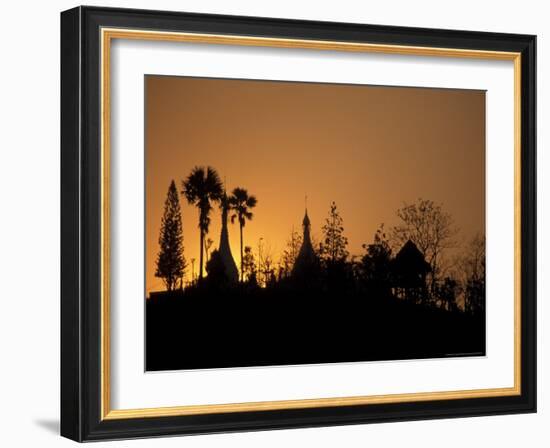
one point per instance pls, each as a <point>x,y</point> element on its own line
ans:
<point>170,259</point>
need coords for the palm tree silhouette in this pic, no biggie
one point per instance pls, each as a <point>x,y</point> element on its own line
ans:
<point>200,188</point>
<point>241,203</point>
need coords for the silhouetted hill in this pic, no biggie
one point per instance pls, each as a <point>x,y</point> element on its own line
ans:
<point>202,328</point>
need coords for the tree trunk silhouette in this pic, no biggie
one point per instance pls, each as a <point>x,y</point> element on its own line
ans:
<point>241,204</point>
<point>242,274</point>
<point>201,253</point>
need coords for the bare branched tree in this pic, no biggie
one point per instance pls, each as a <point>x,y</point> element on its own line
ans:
<point>290,253</point>
<point>471,265</point>
<point>430,228</point>
<point>249,265</point>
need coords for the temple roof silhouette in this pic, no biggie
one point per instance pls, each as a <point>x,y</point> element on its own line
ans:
<point>409,263</point>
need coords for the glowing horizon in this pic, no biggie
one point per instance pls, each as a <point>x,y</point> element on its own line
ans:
<point>368,148</point>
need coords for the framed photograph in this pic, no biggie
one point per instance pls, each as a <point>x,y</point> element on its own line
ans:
<point>272,223</point>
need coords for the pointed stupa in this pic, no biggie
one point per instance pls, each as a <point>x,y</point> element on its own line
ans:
<point>224,249</point>
<point>306,259</point>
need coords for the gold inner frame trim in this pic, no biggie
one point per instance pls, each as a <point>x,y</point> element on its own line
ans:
<point>107,35</point>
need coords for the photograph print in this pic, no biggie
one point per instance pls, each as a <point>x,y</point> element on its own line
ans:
<point>291,223</point>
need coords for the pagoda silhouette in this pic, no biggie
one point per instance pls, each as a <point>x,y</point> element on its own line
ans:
<point>307,260</point>
<point>410,269</point>
<point>230,268</point>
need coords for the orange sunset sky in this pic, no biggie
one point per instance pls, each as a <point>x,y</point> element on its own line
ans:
<point>368,148</point>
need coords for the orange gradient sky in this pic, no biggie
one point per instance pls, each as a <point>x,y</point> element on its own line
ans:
<point>368,148</point>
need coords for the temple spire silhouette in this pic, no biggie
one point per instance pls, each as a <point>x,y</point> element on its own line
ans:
<point>231,271</point>
<point>307,258</point>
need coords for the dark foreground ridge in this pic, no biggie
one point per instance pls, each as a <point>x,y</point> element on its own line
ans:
<point>200,328</point>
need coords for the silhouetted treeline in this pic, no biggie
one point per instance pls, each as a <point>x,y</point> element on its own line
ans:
<point>408,264</point>
<point>403,297</point>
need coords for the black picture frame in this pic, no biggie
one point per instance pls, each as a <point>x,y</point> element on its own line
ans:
<point>81,380</point>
